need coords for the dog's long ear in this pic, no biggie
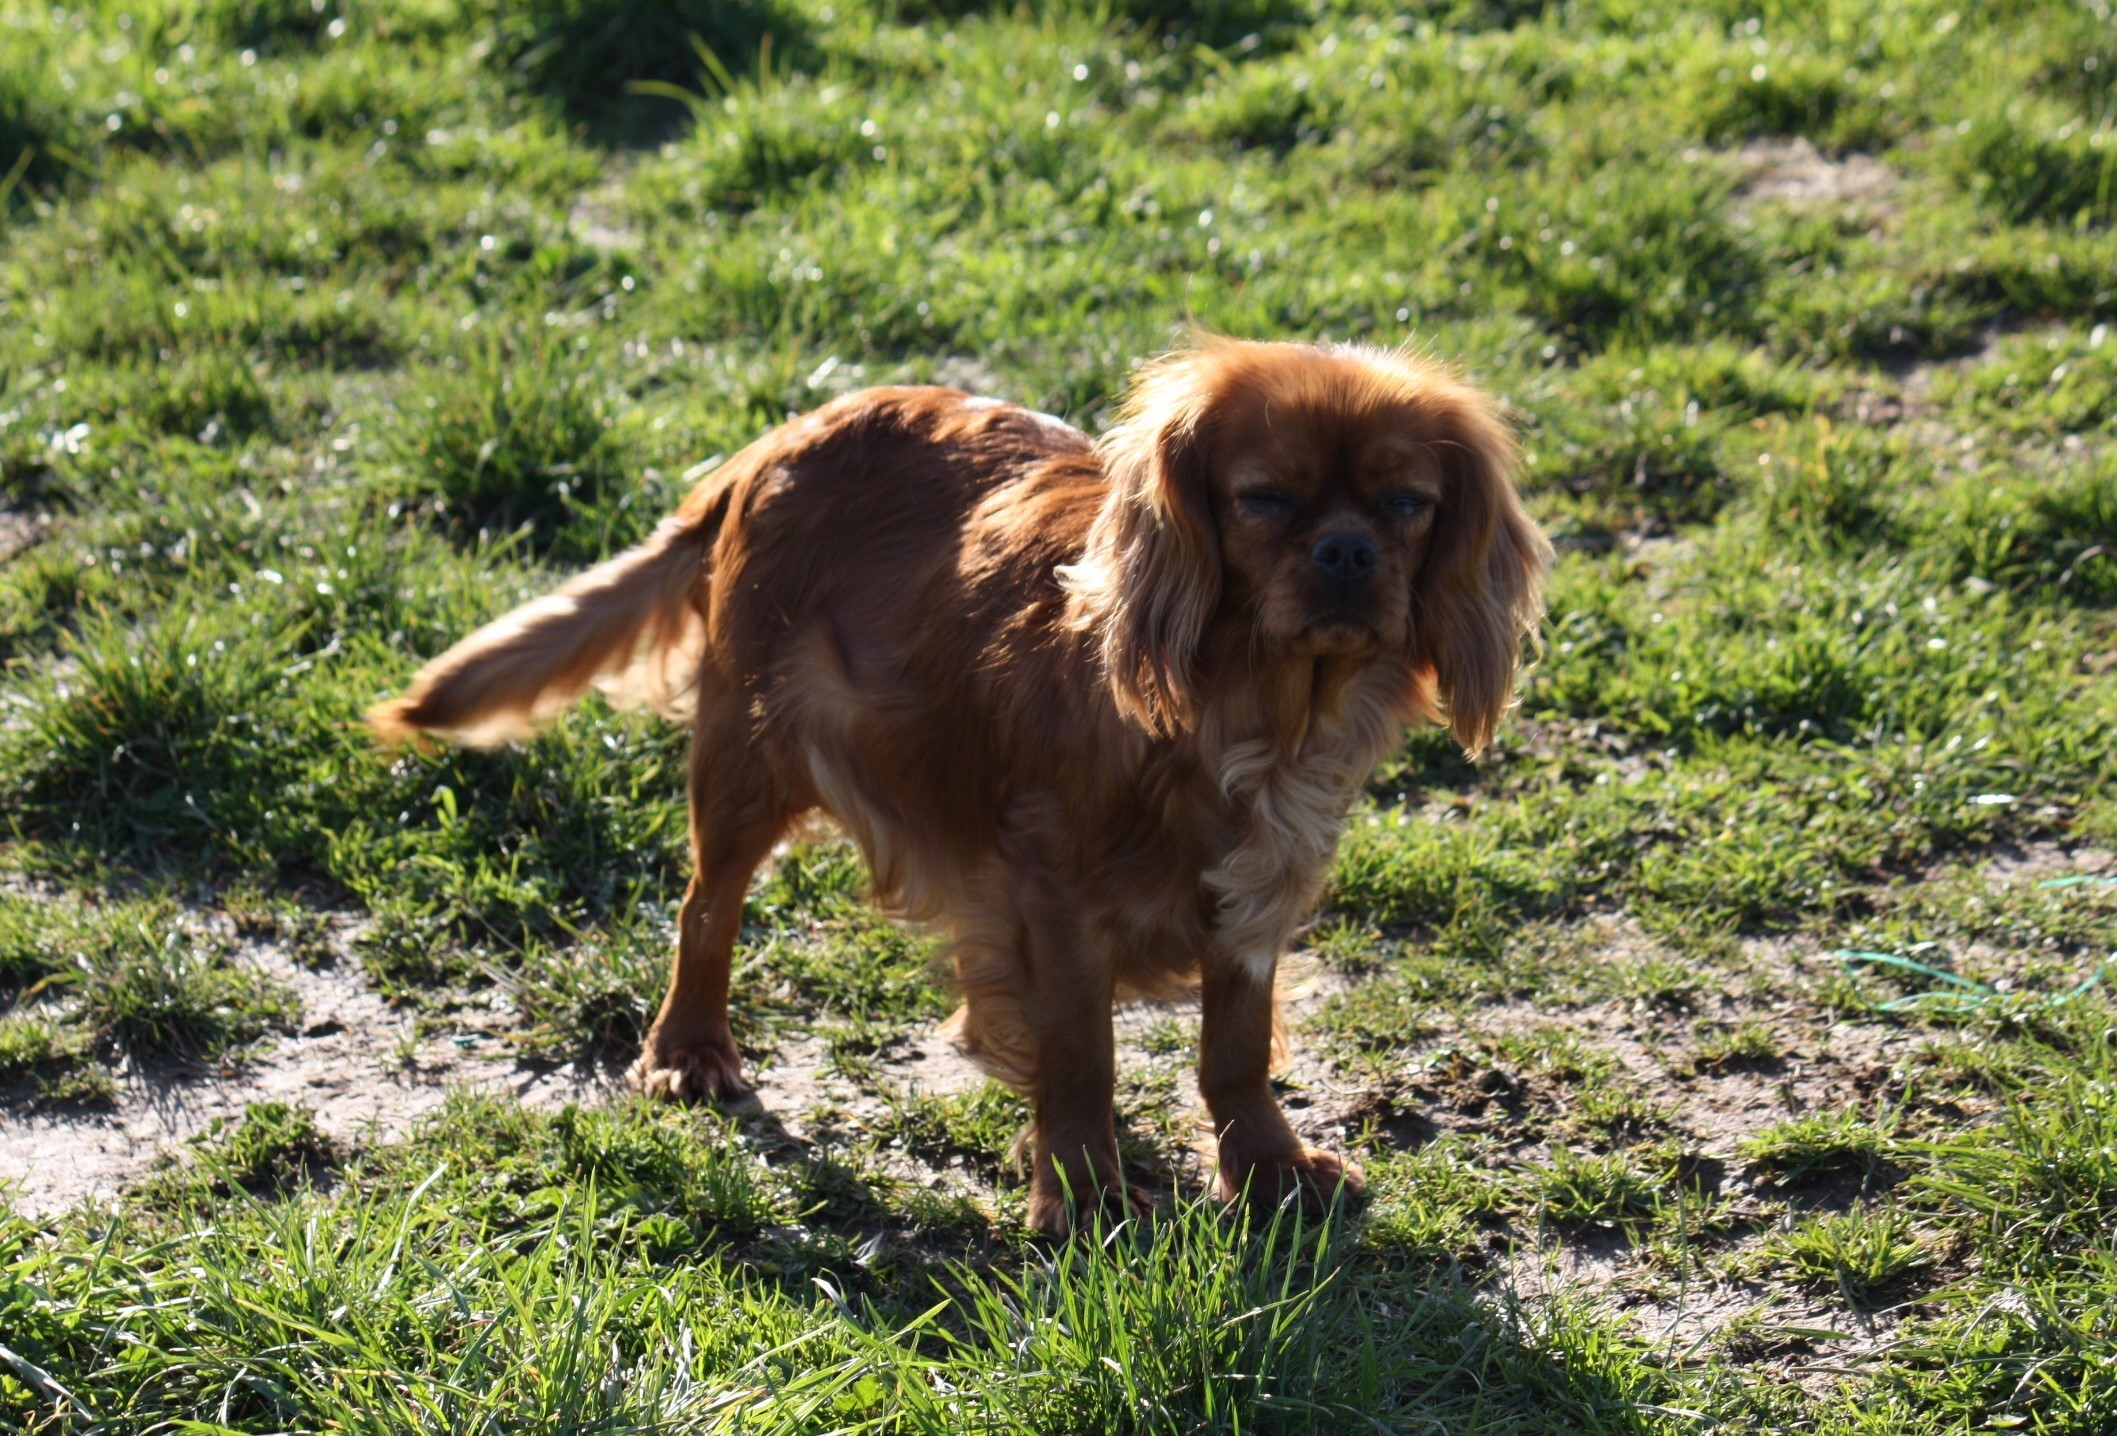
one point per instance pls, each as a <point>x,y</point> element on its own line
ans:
<point>1479,592</point>
<point>1150,578</point>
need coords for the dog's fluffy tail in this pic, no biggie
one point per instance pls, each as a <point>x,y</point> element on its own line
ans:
<point>632,627</point>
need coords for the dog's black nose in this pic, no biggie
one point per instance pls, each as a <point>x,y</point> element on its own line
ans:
<point>1345,558</point>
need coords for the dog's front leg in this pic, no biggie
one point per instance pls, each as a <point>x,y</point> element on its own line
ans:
<point>1260,1155</point>
<point>1067,997</point>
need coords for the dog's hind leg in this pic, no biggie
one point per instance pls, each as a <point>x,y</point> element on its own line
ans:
<point>737,813</point>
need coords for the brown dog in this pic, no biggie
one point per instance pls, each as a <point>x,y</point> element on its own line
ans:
<point>1099,709</point>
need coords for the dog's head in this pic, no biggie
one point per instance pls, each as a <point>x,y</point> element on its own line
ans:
<point>1326,502</point>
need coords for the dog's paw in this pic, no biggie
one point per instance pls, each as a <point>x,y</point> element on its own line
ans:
<point>1053,1214</point>
<point>1313,1177</point>
<point>689,1072</point>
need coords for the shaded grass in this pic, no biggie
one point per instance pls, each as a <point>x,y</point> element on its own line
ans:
<point>139,975</point>
<point>602,1311</point>
<point>108,756</point>
<point>272,1147</point>
<point>591,56</point>
<point>513,433</point>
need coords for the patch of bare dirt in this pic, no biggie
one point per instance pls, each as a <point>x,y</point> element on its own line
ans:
<point>1708,1106</point>
<point>1791,1333</point>
<point>806,1094</point>
<point>1794,171</point>
<point>19,532</point>
<point>595,219</point>
<point>2043,861</point>
<point>1721,1305</point>
<point>803,1099</point>
<point>369,1073</point>
<point>358,1062</point>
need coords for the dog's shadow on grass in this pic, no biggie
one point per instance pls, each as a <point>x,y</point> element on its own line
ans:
<point>761,1128</point>
<point>871,1236</point>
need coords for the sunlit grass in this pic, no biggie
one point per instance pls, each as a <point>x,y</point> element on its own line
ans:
<point>329,330</point>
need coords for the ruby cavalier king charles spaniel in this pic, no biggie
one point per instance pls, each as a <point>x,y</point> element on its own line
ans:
<point>1095,708</point>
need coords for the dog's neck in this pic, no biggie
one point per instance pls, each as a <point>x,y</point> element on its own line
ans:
<point>1290,751</point>
<point>1320,725</point>
<point>1292,704</point>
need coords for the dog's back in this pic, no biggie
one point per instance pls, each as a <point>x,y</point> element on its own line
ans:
<point>814,539</point>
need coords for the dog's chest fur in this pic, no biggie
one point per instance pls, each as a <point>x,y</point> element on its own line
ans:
<point>1291,798</point>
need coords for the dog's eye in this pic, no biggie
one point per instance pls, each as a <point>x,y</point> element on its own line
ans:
<point>1403,505</point>
<point>1266,503</point>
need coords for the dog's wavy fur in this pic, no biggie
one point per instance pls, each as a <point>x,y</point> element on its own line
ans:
<point>1089,706</point>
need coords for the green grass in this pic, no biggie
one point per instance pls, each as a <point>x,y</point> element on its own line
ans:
<point>328,330</point>
<point>1857,1253</point>
<point>571,1295</point>
<point>135,978</point>
<point>271,1148</point>
<point>1750,1044</point>
<point>1819,1142</point>
<point>1601,1191</point>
